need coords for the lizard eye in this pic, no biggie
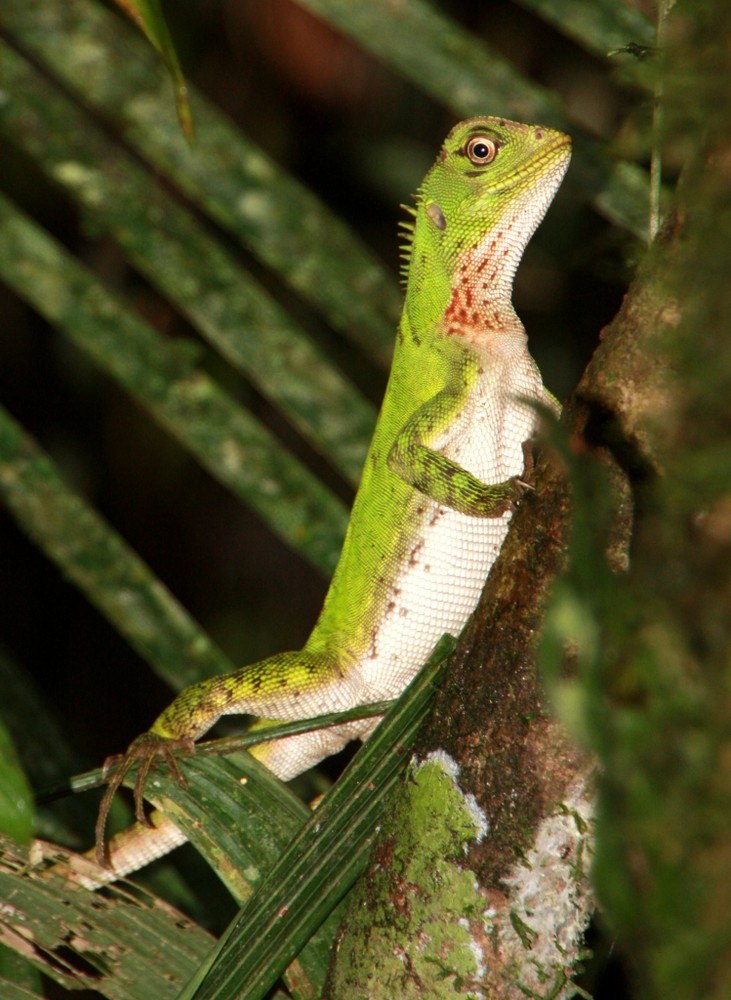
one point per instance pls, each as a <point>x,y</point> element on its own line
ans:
<point>481,150</point>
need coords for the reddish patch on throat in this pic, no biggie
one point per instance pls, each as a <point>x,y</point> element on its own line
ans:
<point>467,314</point>
<point>475,309</point>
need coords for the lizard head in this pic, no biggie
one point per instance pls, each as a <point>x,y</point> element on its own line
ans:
<point>481,202</point>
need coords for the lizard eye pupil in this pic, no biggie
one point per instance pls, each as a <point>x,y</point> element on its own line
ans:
<point>481,150</point>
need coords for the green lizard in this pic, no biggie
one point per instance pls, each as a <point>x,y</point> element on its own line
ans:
<point>440,480</point>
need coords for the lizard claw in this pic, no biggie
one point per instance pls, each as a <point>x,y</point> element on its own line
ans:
<point>518,489</point>
<point>141,752</point>
<point>521,484</point>
<point>524,486</point>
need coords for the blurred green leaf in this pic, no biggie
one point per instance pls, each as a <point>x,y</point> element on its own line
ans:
<point>191,267</point>
<point>107,67</point>
<point>225,438</point>
<point>148,15</point>
<point>99,562</point>
<point>12,991</point>
<point>16,799</point>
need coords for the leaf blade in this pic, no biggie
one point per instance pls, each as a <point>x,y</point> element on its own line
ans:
<point>227,175</point>
<point>147,14</point>
<point>189,266</point>
<point>125,944</point>
<point>225,439</point>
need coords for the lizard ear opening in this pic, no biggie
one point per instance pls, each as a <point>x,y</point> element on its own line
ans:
<point>435,213</point>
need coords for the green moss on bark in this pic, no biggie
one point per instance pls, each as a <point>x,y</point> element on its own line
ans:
<point>420,912</point>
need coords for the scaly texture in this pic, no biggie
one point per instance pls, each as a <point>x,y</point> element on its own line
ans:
<point>442,473</point>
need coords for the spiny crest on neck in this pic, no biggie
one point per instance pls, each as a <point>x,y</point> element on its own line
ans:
<point>407,229</point>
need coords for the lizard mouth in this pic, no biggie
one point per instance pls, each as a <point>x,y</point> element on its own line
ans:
<point>533,166</point>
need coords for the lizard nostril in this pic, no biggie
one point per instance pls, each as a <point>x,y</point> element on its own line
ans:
<point>539,133</point>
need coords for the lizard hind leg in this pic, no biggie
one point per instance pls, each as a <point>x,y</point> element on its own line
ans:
<point>293,755</point>
<point>298,685</point>
<point>287,686</point>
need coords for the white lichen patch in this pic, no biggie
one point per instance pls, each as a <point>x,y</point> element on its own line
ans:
<point>550,898</point>
<point>447,763</point>
<point>476,947</point>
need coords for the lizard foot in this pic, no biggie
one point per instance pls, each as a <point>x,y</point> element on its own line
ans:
<point>522,484</point>
<point>141,752</point>
<point>515,489</point>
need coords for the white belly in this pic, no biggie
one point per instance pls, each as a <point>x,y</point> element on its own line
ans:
<point>451,553</point>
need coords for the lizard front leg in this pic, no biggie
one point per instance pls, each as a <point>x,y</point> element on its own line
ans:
<point>444,480</point>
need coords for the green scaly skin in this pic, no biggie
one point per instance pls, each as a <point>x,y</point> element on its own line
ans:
<point>442,474</point>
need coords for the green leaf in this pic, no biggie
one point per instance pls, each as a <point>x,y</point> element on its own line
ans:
<point>226,175</point>
<point>16,803</point>
<point>12,991</point>
<point>43,747</point>
<point>148,15</point>
<point>123,943</point>
<point>16,798</point>
<point>99,562</point>
<point>241,818</point>
<point>229,442</point>
<point>189,266</point>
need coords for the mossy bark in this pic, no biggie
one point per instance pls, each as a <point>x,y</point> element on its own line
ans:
<point>526,897</point>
